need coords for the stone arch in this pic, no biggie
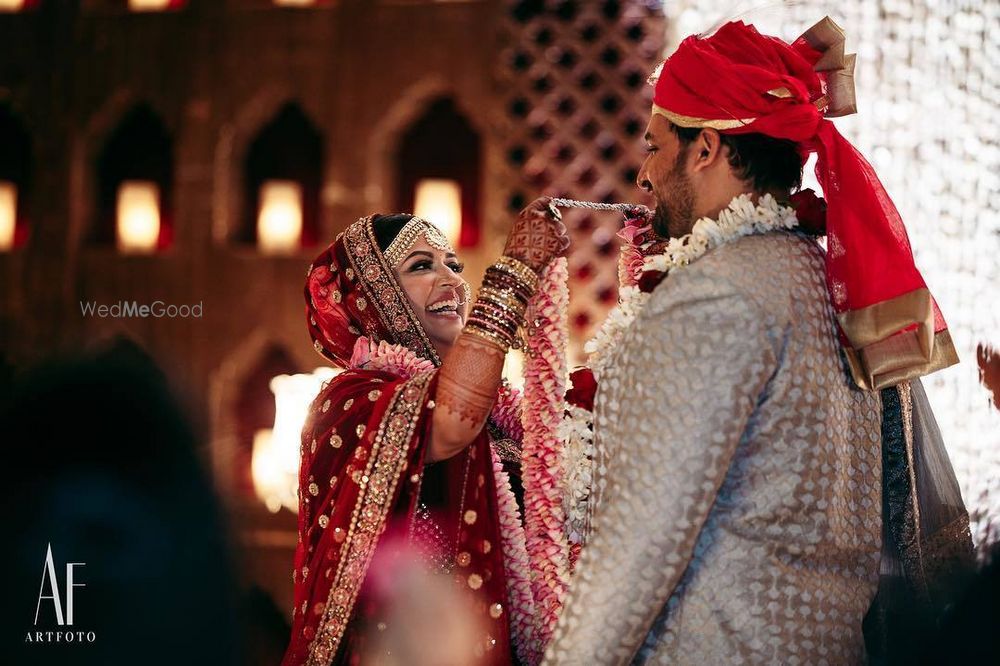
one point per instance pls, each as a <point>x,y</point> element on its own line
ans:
<point>232,146</point>
<point>408,108</point>
<point>86,150</point>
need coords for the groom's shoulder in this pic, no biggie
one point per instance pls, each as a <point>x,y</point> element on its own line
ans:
<point>765,269</point>
<point>767,253</point>
<point>769,260</point>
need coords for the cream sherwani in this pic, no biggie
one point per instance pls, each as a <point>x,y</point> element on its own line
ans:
<point>737,516</point>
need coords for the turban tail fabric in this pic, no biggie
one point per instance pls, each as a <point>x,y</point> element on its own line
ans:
<point>738,81</point>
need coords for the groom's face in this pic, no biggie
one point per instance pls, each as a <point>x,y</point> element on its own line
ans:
<point>664,175</point>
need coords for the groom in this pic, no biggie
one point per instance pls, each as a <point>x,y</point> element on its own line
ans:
<point>738,492</point>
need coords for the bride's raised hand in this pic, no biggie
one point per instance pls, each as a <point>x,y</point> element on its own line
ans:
<point>538,235</point>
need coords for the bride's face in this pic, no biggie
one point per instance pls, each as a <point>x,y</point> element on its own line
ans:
<point>437,293</point>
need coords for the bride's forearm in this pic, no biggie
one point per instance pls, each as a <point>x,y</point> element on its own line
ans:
<point>470,374</point>
<point>467,388</point>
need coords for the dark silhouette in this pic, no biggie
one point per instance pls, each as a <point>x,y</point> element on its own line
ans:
<point>102,464</point>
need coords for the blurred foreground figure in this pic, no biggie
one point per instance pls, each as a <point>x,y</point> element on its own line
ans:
<point>106,476</point>
<point>767,460</point>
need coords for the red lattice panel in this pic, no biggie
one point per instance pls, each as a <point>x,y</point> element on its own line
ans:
<point>573,84</point>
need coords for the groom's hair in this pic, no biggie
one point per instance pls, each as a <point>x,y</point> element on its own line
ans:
<point>767,162</point>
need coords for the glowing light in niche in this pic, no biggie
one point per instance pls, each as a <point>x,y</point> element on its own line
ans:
<point>151,5</point>
<point>138,216</point>
<point>279,221</point>
<point>275,463</point>
<point>8,214</point>
<point>439,201</point>
<point>154,5</point>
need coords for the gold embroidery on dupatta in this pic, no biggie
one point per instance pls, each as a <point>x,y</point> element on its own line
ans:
<point>385,466</point>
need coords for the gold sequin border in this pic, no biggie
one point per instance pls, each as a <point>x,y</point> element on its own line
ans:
<point>383,292</point>
<point>385,465</point>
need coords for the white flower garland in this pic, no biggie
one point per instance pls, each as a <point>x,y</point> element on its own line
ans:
<point>631,301</point>
<point>741,218</point>
<point>578,455</point>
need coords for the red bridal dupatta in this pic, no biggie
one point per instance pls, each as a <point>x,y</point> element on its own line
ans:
<point>363,472</point>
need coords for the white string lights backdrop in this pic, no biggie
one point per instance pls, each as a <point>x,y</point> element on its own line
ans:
<point>927,109</point>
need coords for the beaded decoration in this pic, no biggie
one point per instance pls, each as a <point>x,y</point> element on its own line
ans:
<point>408,235</point>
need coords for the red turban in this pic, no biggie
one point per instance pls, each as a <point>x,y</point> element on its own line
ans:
<point>739,81</point>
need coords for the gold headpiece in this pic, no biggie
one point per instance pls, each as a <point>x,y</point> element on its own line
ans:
<point>408,235</point>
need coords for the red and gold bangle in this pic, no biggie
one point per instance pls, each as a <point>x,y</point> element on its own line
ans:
<point>514,316</point>
<point>505,299</point>
<point>498,279</point>
<point>495,319</point>
<point>498,313</point>
<point>481,330</point>
<point>496,341</point>
<point>518,270</point>
<point>498,319</point>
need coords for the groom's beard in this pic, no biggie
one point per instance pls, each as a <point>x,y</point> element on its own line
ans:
<point>674,214</point>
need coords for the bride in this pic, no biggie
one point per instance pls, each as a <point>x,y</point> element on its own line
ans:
<point>398,451</point>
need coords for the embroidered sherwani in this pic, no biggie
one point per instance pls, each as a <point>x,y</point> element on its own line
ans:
<point>737,483</point>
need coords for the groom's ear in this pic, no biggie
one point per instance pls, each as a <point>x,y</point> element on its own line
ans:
<point>706,149</point>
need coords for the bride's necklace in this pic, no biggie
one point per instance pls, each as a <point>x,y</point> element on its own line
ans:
<point>741,218</point>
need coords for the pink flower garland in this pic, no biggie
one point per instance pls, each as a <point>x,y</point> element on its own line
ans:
<point>507,412</point>
<point>516,569</point>
<point>394,359</point>
<point>550,554</point>
<point>636,240</point>
<point>545,387</point>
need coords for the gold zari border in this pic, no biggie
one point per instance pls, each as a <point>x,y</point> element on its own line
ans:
<point>867,326</point>
<point>378,485</point>
<point>943,355</point>
<point>882,354</point>
<point>691,121</point>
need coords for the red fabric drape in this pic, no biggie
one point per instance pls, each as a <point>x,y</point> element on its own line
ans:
<point>341,514</point>
<point>738,81</point>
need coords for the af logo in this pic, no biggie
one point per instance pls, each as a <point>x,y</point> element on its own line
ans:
<point>62,614</point>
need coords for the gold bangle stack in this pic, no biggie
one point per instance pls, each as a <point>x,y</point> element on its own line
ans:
<point>518,270</point>
<point>498,313</point>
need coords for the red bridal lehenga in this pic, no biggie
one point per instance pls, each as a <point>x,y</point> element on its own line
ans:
<point>365,490</point>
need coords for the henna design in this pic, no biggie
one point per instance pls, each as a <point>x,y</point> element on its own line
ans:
<point>538,235</point>
<point>469,379</point>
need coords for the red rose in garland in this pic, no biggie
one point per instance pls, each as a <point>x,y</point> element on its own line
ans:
<point>584,388</point>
